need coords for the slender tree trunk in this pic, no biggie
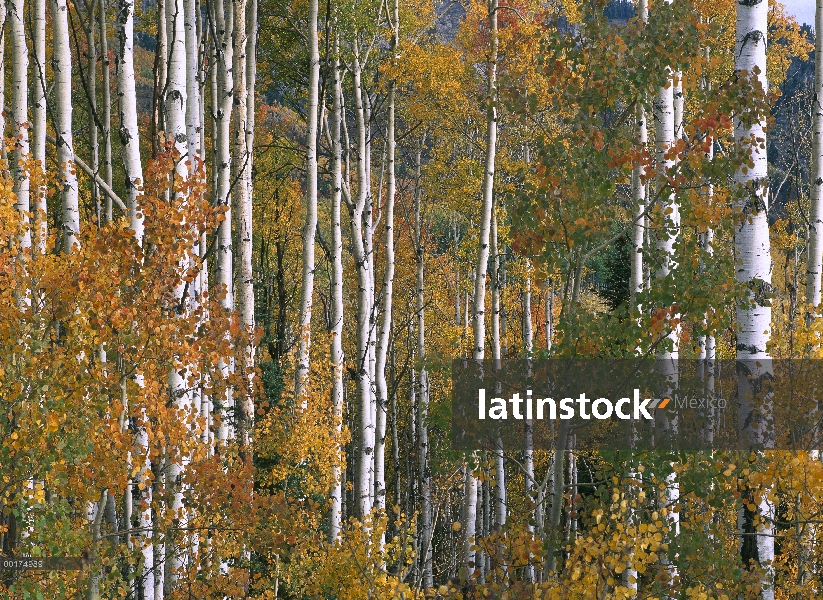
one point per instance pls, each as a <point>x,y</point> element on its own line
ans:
<point>224,50</point>
<point>160,76</point>
<point>310,227</point>
<point>422,383</point>
<point>89,25</point>
<point>38,101</point>
<point>365,296</point>
<point>638,192</point>
<point>19,112</point>
<point>337,285</point>
<point>174,106</point>
<point>666,127</point>
<point>243,211</point>
<point>3,15</point>
<point>815,254</point>
<point>127,104</point>
<point>388,282</point>
<point>498,332</point>
<point>478,316</point>
<point>106,101</point>
<point>528,431</point>
<point>193,123</point>
<point>753,251</point>
<point>62,123</point>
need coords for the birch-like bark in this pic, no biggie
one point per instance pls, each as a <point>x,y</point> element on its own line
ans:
<point>368,244</point>
<point>753,252</point>
<point>527,332</point>
<point>38,116</point>
<point>639,198</point>
<point>3,154</point>
<point>102,23</point>
<point>478,316</point>
<point>193,123</point>
<point>19,112</point>
<point>310,226</point>
<point>359,231</point>
<point>639,192</point>
<point>382,346</point>
<point>336,508</point>
<point>174,108</point>
<point>498,332</point>
<point>815,254</point>
<point>90,28</point>
<point>251,82</point>
<point>224,50</point>
<point>243,212</point>
<point>127,105</point>
<point>668,120</point>
<point>422,384</point>
<point>160,76</point>
<point>62,123</point>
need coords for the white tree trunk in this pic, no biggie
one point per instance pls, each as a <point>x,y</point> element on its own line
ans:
<point>224,50</point>
<point>751,241</point>
<point>815,254</point>
<point>106,100</point>
<point>639,198</point>
<point>527,332</point>
<point>193,123</point>
<point>90,29</point>
<point>478,313</point>
<point>243,211</point>
<point>38,101</point>
<point>3,81</point>
<point>310,226</point>
<point>498,332</point>
<point>62,123</point>
<point>359,231</point>
<point>422,384</point>
<point>174,107</point>
<point>666,127</point>
<point>19,111</point>
<point>127,104</point>
<point>381,386</point>
<point>337,288</point>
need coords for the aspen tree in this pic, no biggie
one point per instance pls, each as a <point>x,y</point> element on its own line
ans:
<point>336,508</point>
<point>223,106</point>
<point>127,106</point>
<point>310,226</point>
<point>527,334</point>
<point>38,114</point>
<point>382,345</point>
<point>754,264</point>
<point>90,29</point>
<point>193,122</point>
<point>359,231</point>
<point>815,252</point>
<point>3,13</point>
<point>102,23</point>
<point>62,124</point>
<point>243,209</point>
<point>19,112</point>
<point>481,266</point>
<point>422,382</point>
<point>668,115</point>
<point>639,191</point>
<point>498,333</point>
<point>175,111</point>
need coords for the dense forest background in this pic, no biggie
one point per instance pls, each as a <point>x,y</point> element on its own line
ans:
<point>242,242</point>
